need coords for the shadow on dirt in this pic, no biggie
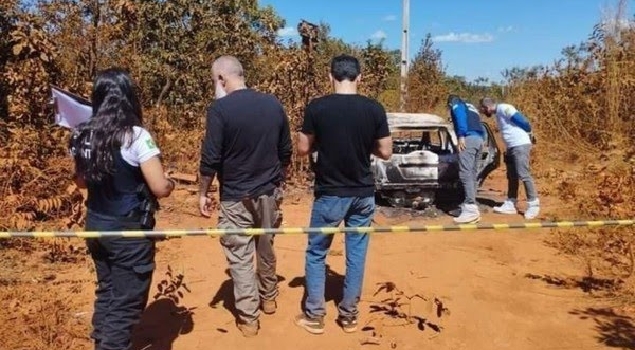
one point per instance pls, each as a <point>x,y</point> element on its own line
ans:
<point>615,330</point>
<point>388,312</point>
<point>488,202</point>
<point>586,284</point>
<point>164,319</point>
<point>225,294</point>
<point>395,309</point>
<point>333,288</point>
<point>162,322</point>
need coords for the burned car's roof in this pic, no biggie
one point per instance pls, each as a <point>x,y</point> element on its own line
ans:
<point>409,121</point>
<point>415,120</point>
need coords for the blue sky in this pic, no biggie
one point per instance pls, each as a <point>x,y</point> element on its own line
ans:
<point>477,37</point>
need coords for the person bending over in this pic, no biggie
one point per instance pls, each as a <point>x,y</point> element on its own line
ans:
<point>518,138</point>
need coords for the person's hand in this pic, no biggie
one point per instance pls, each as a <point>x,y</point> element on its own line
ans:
<point>462,145</point>
<point>205,206</point>
<point>532,138</point>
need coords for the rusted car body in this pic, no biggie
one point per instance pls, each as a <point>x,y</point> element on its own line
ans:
<point>424,166</point>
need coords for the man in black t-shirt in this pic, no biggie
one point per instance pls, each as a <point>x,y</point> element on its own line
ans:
<point>344,129</point>
<point>247,144</point>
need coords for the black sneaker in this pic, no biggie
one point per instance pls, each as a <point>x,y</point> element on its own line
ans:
<point>348,324</point>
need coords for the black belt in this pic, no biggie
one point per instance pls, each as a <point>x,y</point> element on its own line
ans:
<point>266,193</point>
<point>134,214</point>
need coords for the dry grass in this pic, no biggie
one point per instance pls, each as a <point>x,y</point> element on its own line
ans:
<point>581,112</point>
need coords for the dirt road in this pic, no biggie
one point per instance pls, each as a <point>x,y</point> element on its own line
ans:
<point>500,290</point>
<point>493,290</point>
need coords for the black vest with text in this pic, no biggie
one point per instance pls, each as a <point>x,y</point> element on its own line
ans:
<point>118,194</point>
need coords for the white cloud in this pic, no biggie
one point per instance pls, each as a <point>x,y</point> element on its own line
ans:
<point>389,18</point>
<point>378,35</point>
<point>464,38</point>
<point>505,29</point>
<point>288,31</point>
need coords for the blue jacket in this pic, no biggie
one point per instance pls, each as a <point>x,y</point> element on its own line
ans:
<point>466,120</point>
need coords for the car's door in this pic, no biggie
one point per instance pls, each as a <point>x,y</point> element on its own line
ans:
<point>490,159</point>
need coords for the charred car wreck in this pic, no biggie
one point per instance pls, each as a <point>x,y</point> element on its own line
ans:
<point>423,169</point>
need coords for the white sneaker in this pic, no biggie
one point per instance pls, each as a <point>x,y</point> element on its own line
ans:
<point>469,214</point>
<point>508,207</point>
<point>533,209</point>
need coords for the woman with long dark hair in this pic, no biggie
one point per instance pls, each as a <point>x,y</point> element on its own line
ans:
<point>118,162</point>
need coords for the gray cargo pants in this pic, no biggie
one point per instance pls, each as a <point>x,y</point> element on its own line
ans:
<point>468,166</point>
<point>517,163</point>
<point>251,286</point>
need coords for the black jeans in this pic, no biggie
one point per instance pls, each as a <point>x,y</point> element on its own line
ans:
<point>124,269</point>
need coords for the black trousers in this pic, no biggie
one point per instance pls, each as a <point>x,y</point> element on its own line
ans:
<point>124,269</point>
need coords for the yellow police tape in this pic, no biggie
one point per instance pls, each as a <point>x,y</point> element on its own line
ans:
<point>309,230</point>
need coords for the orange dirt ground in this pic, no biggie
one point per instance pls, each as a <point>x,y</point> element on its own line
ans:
<point>498,288</point>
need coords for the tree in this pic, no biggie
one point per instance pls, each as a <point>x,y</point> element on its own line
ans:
<point>378,65</point>
<point>7,19</point>
<point>426,88</point>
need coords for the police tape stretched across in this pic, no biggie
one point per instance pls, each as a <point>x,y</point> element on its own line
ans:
<point>324,230</point>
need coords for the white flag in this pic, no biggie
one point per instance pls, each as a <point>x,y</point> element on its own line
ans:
<point>70,109</point>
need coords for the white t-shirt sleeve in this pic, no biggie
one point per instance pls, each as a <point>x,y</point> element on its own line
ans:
<point>142,148</point>
<point>507,111</point>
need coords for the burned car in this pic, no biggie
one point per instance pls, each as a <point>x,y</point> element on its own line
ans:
<point>423,169</point>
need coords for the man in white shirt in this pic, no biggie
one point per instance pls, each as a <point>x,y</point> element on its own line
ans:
<point>517,135</point>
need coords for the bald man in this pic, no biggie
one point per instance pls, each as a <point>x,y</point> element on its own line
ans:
<point>247,143</point>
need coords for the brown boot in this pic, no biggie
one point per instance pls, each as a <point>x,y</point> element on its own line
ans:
<point>269,306</point>
<point>248,329</point>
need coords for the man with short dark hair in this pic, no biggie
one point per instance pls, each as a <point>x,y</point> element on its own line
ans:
<point>471,134</point>
<point>518,138</point>
<point>247,143</point>
<point>344,129</point>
